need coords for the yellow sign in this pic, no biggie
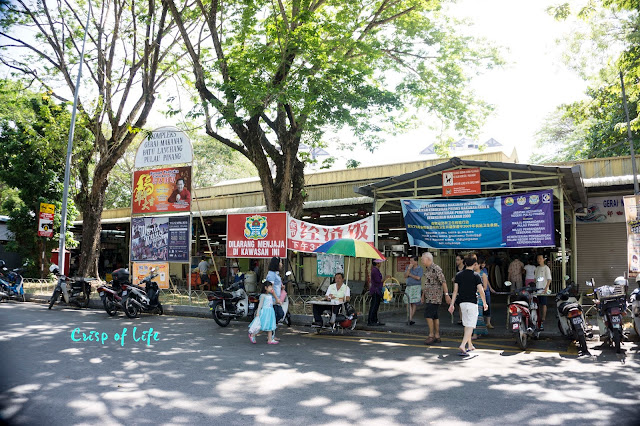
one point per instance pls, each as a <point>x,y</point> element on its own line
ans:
<point>142,269</point>
<point>47,208</point>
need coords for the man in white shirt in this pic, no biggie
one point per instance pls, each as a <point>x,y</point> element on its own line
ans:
<point>543,271</point>
<point>338,290</point>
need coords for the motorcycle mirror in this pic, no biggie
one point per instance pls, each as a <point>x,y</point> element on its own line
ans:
<point>288,273</point>
<point>507,283</point>
<point>566,277</point>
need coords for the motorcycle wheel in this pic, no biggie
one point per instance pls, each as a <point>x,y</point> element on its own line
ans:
<point>159,308</point>
<point>635,327</point>
<point>561,329</point>
<point>287,319</point>
<point>522,338</point>
<point>617,338</point>
<point>86,302</point>
<point>109,306</point>
<point>130,309</point>
<point>222,321</point>
<point>582,341</point>
<point>54,298</point>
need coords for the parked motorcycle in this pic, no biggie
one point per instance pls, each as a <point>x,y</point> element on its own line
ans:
<point>345,319</point>
<point>571,321</point>
<point>524,318</point>
<point>114,296</point>
<point>634,300</point>
<point>232,303</point>
<point>612,303</point>
<point>78,294</point>
<point>11,283</point>
<point>143,300</point>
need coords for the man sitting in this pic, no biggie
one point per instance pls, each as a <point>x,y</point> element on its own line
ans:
<point>337,290</point>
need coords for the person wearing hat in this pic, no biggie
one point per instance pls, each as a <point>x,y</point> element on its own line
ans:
<point>237,275</point>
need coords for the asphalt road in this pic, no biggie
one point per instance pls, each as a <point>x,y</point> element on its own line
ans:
<point>198,373</point>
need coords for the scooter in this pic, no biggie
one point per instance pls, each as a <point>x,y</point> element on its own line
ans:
<point>612,303</point>
<point>524,319</point>
<point>11,283</point>
<point>571,321</point>
<point>80,289</point>
<point>634,299</point>
<point>143,300</point>
<point>114,296</point>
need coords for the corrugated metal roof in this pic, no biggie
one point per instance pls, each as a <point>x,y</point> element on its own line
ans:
<point>608,181</point>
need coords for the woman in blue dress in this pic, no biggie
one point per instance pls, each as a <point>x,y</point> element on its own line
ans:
<point>265,314</point>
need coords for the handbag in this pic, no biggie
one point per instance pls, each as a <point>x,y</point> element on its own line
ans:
<point>255,325</point>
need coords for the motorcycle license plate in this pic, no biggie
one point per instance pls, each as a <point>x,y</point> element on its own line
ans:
<point>576,320</point>
<point>252,305</point>
<point>615,321</point>
<point>124,293</point>
<point>515,319</point>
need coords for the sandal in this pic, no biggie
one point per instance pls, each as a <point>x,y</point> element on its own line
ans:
<point>252,338</point>
<point>273,342</point>
<point>429,340</point>
<point>437,340</point>
<point>462,353</point>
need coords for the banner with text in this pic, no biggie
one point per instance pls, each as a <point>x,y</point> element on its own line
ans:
<point>305,237</point>
<point>520,220</point>
<point>329,264</point>
<point>164,238</point>
<point>603,210</point>
<point>164,146</point>
<point>632,215</point>
<point>257,235</point>
<point>162,190</point>
<point>141,270</point>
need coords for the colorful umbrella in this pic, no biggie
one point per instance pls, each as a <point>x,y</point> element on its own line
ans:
<point>350,247</point>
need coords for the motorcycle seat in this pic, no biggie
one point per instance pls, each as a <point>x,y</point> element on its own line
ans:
<point>566,307</point>
<point>521,303</point>
<point>223,294</point>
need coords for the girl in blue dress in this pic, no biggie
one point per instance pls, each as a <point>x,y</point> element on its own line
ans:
<point>265,314</point>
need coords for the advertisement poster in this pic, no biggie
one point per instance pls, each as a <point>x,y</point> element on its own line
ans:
<point>603,210</point>
<point>461,182</point>
<point>45,220</point>
<point>257,235</point>
<point>632,209</point>
<point>305,237</point>
<point>160,239</point>
<point>329,264</point>
<point>142,269</point>
<point>162,190</point>
<point>520,220</point>
<point>164,146</point>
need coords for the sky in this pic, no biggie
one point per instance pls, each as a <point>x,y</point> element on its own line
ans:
<point>529,87</point>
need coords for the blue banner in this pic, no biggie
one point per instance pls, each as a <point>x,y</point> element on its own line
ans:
<point>521,220</point>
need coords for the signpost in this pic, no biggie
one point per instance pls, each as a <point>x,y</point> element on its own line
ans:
<point>45,220</point>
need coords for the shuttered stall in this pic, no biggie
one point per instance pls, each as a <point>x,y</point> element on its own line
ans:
<point>602,252</point>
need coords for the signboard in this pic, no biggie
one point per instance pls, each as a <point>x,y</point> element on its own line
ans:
<point>603,210</point>
<point>632,215</point>
<point>520,220</point>
<point>461,182</point>
<point>45,220</point>
<point>305,237</point>
<point>164,146</point>
<point>402,263</point>
<point>329,264</point>
<point>257,235</point>
<point>162,190</point>
<point>160,238</point>
<point>142,269</point>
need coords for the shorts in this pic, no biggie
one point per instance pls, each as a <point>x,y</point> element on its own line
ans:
<point>431,310</point>
<point>529,281</point>
<point>469,314</point>
<point>542,300</point>
<point>413,292</point>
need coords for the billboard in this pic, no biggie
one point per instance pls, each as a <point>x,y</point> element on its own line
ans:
<point>162,190</point>
<point>142,269</point>
<point>160,238</point>
<point>603,210</point>
<point>164,146</point>
<point>305,237</point>
<point>519,220</point>
<point>257,235</point>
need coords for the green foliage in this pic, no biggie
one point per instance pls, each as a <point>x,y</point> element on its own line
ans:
<point>33,140</point>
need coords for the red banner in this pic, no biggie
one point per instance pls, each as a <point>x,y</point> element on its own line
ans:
<point>461,182</point>
<point>257,235</point>
<point>162,190</point>
<point>305,237</point>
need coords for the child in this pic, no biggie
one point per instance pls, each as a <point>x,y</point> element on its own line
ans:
<point>265,314</point>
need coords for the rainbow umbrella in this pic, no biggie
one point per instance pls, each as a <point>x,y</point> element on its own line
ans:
<point>350,247</point>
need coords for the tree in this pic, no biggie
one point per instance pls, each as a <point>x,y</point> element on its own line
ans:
<point>130,53</point>
<point>272,74</point>
<point>33,130</point>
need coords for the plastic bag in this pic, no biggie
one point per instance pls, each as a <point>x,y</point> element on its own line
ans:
<point>254,327</point>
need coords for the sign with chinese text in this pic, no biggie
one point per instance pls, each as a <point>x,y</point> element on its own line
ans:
<point>632,216</point>
<point>164,146</point>
<point>45,220</point>
<point>603,210</point>
<point>162,190</point>
<point>305,237</point>
<point>402,263</point>
<point>520,220</point>
<point>142,269</point>
<point>461,182</point>
<point>329,264</point>
<point>257,235</point>
<point>160,238</point>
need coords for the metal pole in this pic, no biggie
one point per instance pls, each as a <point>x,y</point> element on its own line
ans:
<point>631,147</point>
<point>65,197</point>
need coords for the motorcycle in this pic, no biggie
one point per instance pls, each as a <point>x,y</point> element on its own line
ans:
<point>11,283</point>
<point>232,303</point>
<point>524,318</point>
<point>571,321</point>
<point>345,319</point>
<point>80,289</point>
<point>612,303</point>
<point>114,296</point>
<point>634,300</point>
<point>143,300</point>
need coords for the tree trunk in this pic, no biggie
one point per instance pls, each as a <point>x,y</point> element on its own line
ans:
<point>92,226</point>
